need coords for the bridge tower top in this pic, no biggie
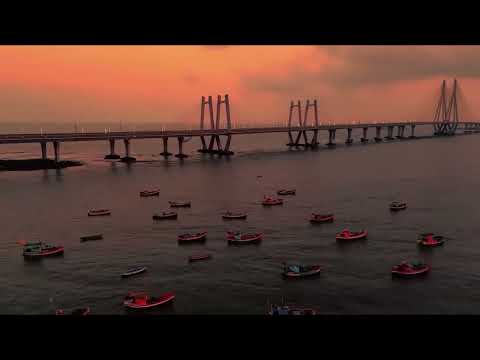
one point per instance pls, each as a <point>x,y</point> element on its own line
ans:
<point>303,121</point>
<point>446,117</point>
<point>215,124</point>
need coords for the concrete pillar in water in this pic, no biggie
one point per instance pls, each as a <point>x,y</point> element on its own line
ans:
<point>180,154</point>
<point>165,147</point>
<point>112,154</point>
<point>227,151</point>
<point>399,132</point>
<point>204,145</point>
<point>56,149</point>
<point>44,150</point>
<point>349,136</point>
<point>290,138</point>
<point>314,142</point>
<point>127,157</point>
<point>389,133</point>
<point>378,137</point>
<point>412,133</point>
<point>331,137</point>
<point>364,138</point>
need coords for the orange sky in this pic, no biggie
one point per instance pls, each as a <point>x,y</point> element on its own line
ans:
<point>164,84</point>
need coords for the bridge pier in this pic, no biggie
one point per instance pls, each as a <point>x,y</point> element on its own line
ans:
<point>56,149</point>
<point>44,150</point>
<point>112,154</point>
<point>204,145</point>
<point>290,138</point>
<point>314,142</point>
<point>412,133</point>
<point>226,150</point>
<point>331,137</point>
<point>127,157</point>
<point>378,137</point>
<point>364,137</point>
<point>389,133</point>
<point>165,147</point>
<point>349,136</point>
<point>401,131</point>
<point>180,154</point>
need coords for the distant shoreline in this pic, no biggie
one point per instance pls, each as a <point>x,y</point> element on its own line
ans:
<point>36,164</point>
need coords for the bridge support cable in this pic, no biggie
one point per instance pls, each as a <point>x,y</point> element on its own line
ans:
<point>446,117</point>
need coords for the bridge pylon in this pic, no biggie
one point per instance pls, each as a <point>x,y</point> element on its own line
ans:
<point>215,125</point>
<point>302,123</point>
<point>446,116</point>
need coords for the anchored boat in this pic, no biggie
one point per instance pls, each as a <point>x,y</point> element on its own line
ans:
<point>134,271</point>
<point>286,192</point>
<point>199,257</point>
<point>99,212</point>
<point>352,235</point>
<point>430,240</point>
<point>319,218</point>
<point>40,250</point>
<point>234,216</point>
<point>147,193</point>
<point>165,215</point>
<point>143,301</point>
<point>188,238</point>
<point>397,205</point>
<point>180,203</point>
<point>410,269</point>
<point>270,201</point>
<point>239,238</point>
<point>79,311</point>
<point>291,309</point>
<point>296,271</point>
<point>91,237</point>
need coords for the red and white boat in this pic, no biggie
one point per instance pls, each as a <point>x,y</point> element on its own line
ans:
<point>296,271</point>
<point>234,216</point>
<point>99,212</point>
<point>352,235</point>
<point>147,193</point>
<point>187,238</point>
<point>270,201</point>
<point>319,218</point>
<point>143,301</point>
<point>239,238</point>
<point>406,269</point>
<point>180,203</point>
<point>39,250</point>
<point>199,257</point>
<point>429,240</point>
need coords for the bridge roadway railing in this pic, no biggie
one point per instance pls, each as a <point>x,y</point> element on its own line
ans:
<point>97,136</point>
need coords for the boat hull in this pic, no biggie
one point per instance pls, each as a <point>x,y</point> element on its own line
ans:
<point>133,272</point>
<point>165,299</point>
<point>103,213</point>
<point>199,258</point>
<point>91,237</point>
<point>165,217</point>
<point>292,275</point>
<point>50,253</point>
<point>191,239</point>
<point>322,220</point>
<point>352,238</point>
<point>402,274</point>
<point>180,205</point>
<point>234,217</point>
<point>149,193</point>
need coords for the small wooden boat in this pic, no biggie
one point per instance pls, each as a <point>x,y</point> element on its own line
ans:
<point>239,238</point>
<point>296,271</point>
<point>429,240</point>
<point>234,216</point>
<point>80,311</point>
<point>91,237</point>
<point>147,193</point>
<point>165,215</point>
<point>406,269</point>
<point>352,235</point>
<point>143,301</point>
<point>270,201</point>
<point>291,310</point>
<point>397,206</point>
<point>134,271</point>
<point>180,203</point>
<point>286,192</point>
<point>39,250</point>
<point>319,218</point>
<point>199,257</point>
<point>99,212</point>
<point>188,238</point>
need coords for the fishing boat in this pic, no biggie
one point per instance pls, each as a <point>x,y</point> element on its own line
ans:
<point>188,238</point>
<point>143,301</point>
<point>234,216</point>
<point>239,238</point>
<point>430,240</point>
<point>270,201</point>
<point>99,212</point>
<point>79,311</point>
<point>296,271</point>
<point>180,203</point>
<point>290,309</point>
<point>286,192</point>
<point>147,193</point>
<point>406,269</point>
<point>40,250</point>
<point>319,218</point>
<point>199,257</point>
<point>165,215</point>
<point>134,271</point>
<point>91,237</point>
<point>397,205</point>
<point>352,235</point>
